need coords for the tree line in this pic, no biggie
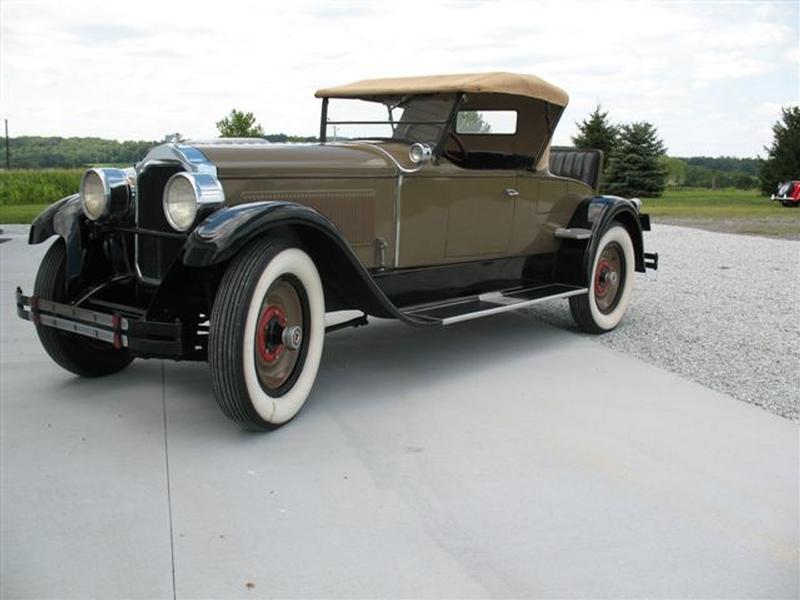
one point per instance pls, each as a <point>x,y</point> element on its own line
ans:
<point>637,163</point>
<point>37,152</point>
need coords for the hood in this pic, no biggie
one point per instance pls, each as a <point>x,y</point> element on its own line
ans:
<point>259,158</point>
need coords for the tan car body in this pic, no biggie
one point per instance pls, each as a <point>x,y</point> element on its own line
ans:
<point>440,214</point>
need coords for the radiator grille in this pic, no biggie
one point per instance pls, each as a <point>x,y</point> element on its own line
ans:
<point>154,254</point>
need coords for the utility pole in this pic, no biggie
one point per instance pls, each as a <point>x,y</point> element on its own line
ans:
<point>8,150</point>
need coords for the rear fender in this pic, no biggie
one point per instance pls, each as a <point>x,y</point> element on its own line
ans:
<point>573,260</point>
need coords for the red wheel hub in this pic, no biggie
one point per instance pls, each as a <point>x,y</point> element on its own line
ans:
<point>270,347</point>
<point>600,282</point>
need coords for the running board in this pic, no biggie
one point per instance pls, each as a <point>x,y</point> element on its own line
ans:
<point>484,305</point>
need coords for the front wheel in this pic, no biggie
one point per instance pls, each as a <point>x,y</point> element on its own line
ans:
<point>80,355</point>
<point>266,334</point>
<point>613,265</point>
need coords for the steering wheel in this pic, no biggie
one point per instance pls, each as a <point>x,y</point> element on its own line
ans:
<point>460,145</point>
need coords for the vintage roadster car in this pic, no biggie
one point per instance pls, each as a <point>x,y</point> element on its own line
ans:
<point>431,200</point>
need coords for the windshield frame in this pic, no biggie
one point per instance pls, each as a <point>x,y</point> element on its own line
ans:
<point>447,124</point>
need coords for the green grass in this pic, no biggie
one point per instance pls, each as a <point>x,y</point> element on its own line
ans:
<point>728,204</point>
<point>24,193</point>
<point>730,211</point>
<point>20,213</point>
<point>43,186</point>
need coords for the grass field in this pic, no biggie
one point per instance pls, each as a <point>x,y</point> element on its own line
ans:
<point>726,203</point>
<point>24,194</point>
<point>44,186</point>
<point>732,211</point>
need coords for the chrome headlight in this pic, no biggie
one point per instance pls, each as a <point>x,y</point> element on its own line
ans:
<point>185,192</point>
<point>420,153</point>
<point>106,192</point>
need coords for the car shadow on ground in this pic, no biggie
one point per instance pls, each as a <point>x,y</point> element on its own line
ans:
<point>361,364</point>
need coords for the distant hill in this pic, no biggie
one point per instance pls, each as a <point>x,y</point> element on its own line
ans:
<point>728,164</point>
<point>38,152</point>
<point>35,152</point>
<point>717,172</point>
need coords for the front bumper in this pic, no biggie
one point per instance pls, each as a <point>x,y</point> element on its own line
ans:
<point>140,336</point>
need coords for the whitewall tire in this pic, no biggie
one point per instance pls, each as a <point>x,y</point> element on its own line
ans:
<point>610,284</point>
<point>266,335</point>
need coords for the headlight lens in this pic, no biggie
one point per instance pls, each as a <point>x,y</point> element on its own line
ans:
<point>180,202</point>
<point>94,195</point>
<point>185,192</point>
<point>107,193</point>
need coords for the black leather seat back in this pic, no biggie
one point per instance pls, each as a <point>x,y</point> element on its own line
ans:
<point>583,165</point>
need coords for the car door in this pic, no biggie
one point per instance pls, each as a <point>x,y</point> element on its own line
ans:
<point>449,214</point>
<point>480,213</point>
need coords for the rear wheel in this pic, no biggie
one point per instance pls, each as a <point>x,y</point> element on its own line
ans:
<point>80,355</point>
<point>266,334</point>
<point>603,308</point>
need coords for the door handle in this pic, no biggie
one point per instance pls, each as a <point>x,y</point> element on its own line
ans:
<point>511,192</point>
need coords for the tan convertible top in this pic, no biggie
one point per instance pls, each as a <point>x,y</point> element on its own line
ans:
<point>498,82</point>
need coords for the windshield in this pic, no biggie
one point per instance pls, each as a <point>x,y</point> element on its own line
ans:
<point>406,119</point>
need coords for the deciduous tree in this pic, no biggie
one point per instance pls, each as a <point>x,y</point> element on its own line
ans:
<point>239,124</point>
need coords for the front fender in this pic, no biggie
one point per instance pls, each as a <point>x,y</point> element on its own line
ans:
<point>62,218</point>
<point>226,231</point>
<point>348,284</point>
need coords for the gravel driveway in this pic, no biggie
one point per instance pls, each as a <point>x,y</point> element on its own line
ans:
<point>722,310</point>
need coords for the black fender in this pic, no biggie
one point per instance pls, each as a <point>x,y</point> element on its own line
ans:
<point>573,259</point>
<point>348,284</point>
<point>63,218</point>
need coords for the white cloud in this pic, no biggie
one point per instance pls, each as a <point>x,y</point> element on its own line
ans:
<point>140,71</point>
<point>713,66</point>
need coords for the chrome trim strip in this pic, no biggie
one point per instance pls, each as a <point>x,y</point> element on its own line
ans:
<point>388,155</point>
<point>398,198</point>
<point>507,307</point>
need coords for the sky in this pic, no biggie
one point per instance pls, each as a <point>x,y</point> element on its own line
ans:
<point>712,76</point>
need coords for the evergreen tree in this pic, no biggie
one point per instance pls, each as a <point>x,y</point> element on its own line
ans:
<point>635,168</point>
<point>783,157</point>
<point>239,124</point>
<point>597,133</point>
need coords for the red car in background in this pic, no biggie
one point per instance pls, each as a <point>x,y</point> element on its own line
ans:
<point>788,193</point>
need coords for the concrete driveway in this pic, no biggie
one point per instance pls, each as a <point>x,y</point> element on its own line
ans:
<point>498,458</point>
